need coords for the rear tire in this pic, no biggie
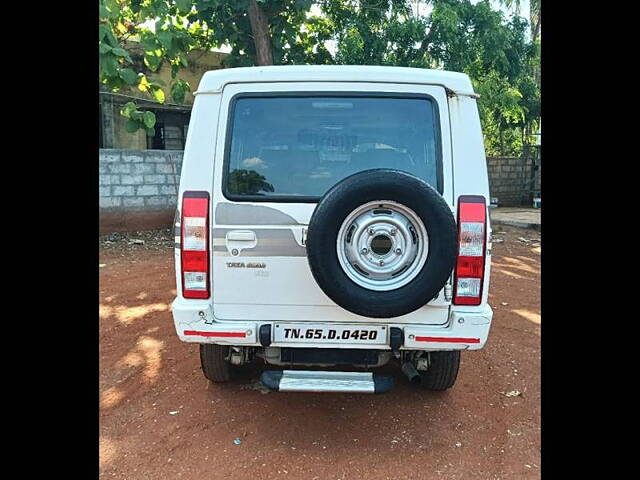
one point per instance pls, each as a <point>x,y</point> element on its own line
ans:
<point>213,362</point>
<point>443,370</point>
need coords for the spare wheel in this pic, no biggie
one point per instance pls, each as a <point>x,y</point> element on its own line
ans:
<point>382,243</point>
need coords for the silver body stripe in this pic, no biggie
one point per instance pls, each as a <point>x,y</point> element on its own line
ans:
<point>244,214</point>
<point>270,242</point>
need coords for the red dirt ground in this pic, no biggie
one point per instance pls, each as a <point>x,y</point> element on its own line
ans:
<point>160,418</point>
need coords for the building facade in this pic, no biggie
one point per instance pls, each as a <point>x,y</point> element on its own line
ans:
<point>172,120</point>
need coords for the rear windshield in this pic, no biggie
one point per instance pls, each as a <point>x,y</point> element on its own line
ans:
<point>300,146</point>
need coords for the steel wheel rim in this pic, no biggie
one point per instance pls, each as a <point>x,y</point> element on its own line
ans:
<point>382,245</point>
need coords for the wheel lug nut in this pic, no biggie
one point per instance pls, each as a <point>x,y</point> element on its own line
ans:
<point>370,231</point>
<point>392,231</point>
<point>365,251</point>
<point>398,251</point>
<point>381,262</point>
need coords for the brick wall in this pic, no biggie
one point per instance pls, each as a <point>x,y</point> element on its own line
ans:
<point>138,188</point>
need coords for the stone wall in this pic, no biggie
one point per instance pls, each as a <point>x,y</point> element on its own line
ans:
<point>513,180</point>
<point>138,188</point>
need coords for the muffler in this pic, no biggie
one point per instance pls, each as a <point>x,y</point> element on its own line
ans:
<point>412,374</point>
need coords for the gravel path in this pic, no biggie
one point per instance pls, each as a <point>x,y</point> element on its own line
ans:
<point>160,419</point>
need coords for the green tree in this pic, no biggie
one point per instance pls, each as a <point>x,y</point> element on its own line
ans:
<point>260,32</point>
<point>166,31</point>
<point>376,32</point>
<point>457,35</point>
<point>266,32</point>
<point>502,64</point>
<point>534,15</point>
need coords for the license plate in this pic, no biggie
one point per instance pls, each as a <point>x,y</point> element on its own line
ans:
<point>306,333</point>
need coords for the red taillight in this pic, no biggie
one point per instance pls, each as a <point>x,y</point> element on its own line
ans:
<point>194,244</point>
<point>472,226</point>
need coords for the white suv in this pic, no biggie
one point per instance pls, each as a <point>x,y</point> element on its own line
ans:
<point>333,216</point>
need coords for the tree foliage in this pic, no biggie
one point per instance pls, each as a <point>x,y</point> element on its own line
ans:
<point>459,36</point>
<point>165,31</point>
<point>296,38</point>
<point>495,51</point>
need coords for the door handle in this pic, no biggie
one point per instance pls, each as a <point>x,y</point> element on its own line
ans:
<point>241,236</point>
<point>238,240</point>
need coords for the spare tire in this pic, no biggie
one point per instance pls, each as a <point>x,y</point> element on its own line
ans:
<point>381,243</point>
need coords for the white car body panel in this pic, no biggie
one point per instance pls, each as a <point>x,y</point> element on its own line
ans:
<point>284,290</point>
<point>215,81</point>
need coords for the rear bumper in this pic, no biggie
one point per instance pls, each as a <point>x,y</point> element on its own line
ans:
<point>466,329</point>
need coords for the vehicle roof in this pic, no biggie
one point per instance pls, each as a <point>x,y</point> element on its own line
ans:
<point>215,80</point>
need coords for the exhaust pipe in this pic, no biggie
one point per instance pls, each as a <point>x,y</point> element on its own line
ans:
<point>412,374</point>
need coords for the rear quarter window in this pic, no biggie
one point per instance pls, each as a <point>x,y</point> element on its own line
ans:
<point>296,147</point>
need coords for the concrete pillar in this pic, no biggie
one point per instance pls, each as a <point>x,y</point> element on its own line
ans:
<point>108,110</point>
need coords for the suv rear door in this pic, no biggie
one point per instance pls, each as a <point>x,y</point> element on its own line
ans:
<point>259,265</point>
